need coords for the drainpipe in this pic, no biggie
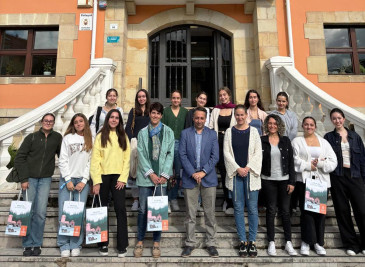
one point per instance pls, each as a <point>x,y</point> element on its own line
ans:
<point>290,33</point>
<point>93,38</point>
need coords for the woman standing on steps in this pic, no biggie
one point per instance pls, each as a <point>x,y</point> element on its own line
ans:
<point>201,101</point>
<point>97,120</point>
<point>74,164</point>
<point>255,111</point>
<point>347,182</point>
<point>313,156</point>
<point>174,117</point>
<point>138,118</point>
<point>109,171</point>
<point>278,179</point>
<point>243,159</point>
<point>222,118</point>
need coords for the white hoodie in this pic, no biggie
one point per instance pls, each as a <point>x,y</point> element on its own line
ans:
<point>74,162</point>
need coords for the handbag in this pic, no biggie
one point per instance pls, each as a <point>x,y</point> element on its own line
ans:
<point>13,176</point>
<point>19,216</point>
<point>157,213</point>
<point>96,224</point>
<point>315,197</point>
<point>72,217</point>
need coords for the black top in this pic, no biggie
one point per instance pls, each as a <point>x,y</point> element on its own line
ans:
<point>224,122</point>
<point>240,142</point>
<point>139,123</point>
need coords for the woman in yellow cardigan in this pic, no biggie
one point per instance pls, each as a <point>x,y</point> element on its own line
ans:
<point>109,171</point>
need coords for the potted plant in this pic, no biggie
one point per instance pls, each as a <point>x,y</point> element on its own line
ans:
<point>47,68</point>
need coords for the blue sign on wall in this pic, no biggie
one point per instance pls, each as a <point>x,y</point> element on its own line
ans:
<point>112,39</point>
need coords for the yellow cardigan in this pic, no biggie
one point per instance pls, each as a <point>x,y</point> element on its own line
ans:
<point>110,159</point>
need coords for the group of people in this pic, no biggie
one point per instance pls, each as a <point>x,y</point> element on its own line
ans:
<point>259,157</point>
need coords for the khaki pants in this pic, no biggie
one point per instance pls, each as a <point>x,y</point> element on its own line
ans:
<point>208,195</point>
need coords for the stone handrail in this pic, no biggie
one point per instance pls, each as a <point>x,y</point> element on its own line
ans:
<point>306,99</point>
<point>83,96</point>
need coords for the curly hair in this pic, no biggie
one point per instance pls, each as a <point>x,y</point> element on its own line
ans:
<point>279,122</point>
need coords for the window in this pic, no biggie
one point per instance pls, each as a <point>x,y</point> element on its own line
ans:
<point>345,49</point>
<point>28,52</point>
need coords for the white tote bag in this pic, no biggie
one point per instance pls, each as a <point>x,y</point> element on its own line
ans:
<point>315,197</point>
<point>157,214</point>
<point>96,224</point>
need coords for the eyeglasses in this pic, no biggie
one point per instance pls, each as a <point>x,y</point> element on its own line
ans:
<point>48,122</point>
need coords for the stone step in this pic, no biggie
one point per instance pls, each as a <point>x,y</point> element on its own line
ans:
<point>175,236</point>
<point>170,257</point>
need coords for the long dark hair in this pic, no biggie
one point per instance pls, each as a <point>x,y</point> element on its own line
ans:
<point>284,95</point>
<point>105,131</point>
<point>247,103</point>
<point>88,139</point>
<point>137,105</point>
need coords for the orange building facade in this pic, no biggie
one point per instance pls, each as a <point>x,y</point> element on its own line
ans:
<point>190,46</point>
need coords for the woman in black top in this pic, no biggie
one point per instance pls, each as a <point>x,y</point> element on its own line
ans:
<point>138,118</point>
<point>347,182</point>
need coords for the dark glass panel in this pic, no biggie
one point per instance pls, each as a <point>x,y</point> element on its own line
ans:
<point>176,80</point>
<point>46,40</point>
<point>337,38</point>
<point>362,63</point>
<point>339,64</point>
<point>42,65</point>
<point>12,65</point>
<point>14,39</point>
<point>360,37</point>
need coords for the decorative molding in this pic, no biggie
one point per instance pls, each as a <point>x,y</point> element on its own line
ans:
<point>131,7</point>
<point>190,5</point>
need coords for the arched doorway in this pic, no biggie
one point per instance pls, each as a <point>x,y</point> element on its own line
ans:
<point>189,58</point>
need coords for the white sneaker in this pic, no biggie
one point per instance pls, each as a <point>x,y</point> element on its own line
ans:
<point>319,249</point>
<point>169,208</point>
<point>200,207</point>
<point>175,205</point>
<point>350,252</point>
<point>304,249</point>
<point>271,250</point>
<point>65,253</point>
<point>75,252</point>
<point>229,211</point>
<point>363,252</point>
<point>135,205</point>
<point>289,248</point>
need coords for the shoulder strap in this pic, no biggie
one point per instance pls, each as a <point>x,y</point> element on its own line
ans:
<point>98,112</point>
<point>134,120</point>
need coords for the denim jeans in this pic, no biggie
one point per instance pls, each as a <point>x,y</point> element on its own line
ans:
<point>145,192</point>
<point>241,195</point>
<point>173,191</point>
<point>38,192</point>
<point>71,242</point>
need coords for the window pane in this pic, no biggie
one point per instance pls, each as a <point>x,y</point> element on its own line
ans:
<point>336,38</point>
<point>14,39</point>
<point>362,63</point>
<point>46,40</point>
<point>339,63</point>
<point>42,65</point>
<point>360,37</point>
<point>12,65</point>
<point>176,80</point>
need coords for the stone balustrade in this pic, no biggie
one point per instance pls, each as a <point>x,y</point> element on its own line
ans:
<point>83,96</point>
<point>306,99</point>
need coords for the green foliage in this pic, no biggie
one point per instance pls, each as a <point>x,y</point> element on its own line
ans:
<point>162,211</point>
<point>12,152</point>
<point>102,223</point>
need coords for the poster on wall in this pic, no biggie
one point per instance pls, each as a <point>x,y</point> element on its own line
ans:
<point>86,22</point>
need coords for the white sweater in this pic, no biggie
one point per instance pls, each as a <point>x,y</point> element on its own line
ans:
<point>254,159</point>
<point>302,160</point>
<point>74,162</point>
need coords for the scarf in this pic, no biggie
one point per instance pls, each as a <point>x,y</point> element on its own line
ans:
<point>154,133</point>
<point>223,106</point>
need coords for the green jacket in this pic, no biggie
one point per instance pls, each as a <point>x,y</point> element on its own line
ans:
<point>177,124</point>
<point>36,155</point>
<point>166,158</point>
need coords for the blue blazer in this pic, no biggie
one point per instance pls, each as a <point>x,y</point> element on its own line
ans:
<point>209,157</point>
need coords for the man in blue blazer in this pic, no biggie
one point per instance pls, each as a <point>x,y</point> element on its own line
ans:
<point>199,153</point>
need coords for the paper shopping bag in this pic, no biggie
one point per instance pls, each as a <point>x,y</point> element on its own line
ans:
<point>19,217</point>
<point>72,217</point>
<point>315,198</point>
<point>96,224</point>
<point>157,214</point>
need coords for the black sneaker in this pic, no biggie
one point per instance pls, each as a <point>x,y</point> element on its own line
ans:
<point>252,250</point>
<point>122,253</point>
<point>213,252</point>
<point>27,252</point>
<point>37,251</point>
<point>243,249</point>
<point>187,251</point>
<point>103,251</point>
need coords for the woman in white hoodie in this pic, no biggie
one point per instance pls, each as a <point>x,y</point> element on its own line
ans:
<point>313,156</point>
<point>74,164</point>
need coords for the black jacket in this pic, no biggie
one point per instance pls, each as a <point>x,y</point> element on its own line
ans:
<point>287,159</point>
<point>36,155</point>
<point>357,153</point>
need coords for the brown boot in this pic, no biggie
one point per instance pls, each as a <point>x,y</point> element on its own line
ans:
<point>138,250</point>
<point>156,252</point>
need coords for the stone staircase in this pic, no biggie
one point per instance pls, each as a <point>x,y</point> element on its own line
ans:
<point>172,241</point>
